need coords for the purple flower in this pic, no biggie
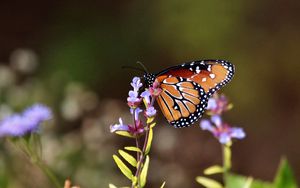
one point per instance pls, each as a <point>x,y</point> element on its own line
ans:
<point>218,104</point>
<point>38,113</point>
<point>150,111</point>
<point>137,111</point>
<point>13,126</point>
<point>133,99</point>
<point>222,131</point>
<point>135,129</point>
<point>136,83</point>
<point>146,95</point>
<point>27,122</point>
<point>138,126</point>
<point>119,127</point>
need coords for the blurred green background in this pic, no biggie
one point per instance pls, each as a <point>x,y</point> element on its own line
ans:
<point>68,54</point>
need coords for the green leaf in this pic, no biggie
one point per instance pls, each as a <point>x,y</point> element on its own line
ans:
<point>207,182</point>
<point>143,176</point>
<point>152,125</point>
<point>237,181</point>
<point>163,185</point>
<point>112,186</point>
<point>134,180</point>
<point>132,148</point>
<point>124,169</point>
<point>150,119</point>
<point>248,182</point>
<point>149,141</point>
<point>216,169</point>
<point>131,160</point>
<point>284,177</point>
<point>124,133</point>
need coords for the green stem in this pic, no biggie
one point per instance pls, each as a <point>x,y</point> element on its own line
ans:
<point>49,174</point>
<point>141,158</point>
<point>35,159</point>
<point>226,150</point>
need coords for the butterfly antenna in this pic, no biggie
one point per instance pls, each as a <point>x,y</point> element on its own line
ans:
<point>134,68</point>
<point>144,67</point>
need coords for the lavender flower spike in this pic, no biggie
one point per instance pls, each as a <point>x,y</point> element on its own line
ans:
<point>133,99</point>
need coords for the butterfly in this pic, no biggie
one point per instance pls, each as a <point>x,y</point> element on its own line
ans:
<point>186,88</point>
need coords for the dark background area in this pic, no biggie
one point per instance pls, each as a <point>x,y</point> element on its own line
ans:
<point>88,42</point>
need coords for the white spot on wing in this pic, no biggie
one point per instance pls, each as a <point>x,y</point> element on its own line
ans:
<point>212,76</point>
<point>209,68</point>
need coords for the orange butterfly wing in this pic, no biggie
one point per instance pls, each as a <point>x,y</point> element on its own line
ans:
<point>181,101</point>
<point>186,88</point>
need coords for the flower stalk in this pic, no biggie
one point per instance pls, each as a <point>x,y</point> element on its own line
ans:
<point>141,130</point>
<point>225,133</point>
<point>34,156</point>
<point>141,158</point>
<point>226,151</point>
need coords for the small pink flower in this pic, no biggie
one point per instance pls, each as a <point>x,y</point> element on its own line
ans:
<point>155,90</point>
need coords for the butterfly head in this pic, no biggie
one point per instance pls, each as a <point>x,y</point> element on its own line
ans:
<point>149,79</point>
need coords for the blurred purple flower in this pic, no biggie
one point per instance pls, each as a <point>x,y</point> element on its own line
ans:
<point>13,126</point>
<point>38,113</point>
<point>27,122</point>
<point>218,104</point>
<point>222,131</point>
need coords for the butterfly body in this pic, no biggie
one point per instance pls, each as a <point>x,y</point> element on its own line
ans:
<point>187,87</point>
